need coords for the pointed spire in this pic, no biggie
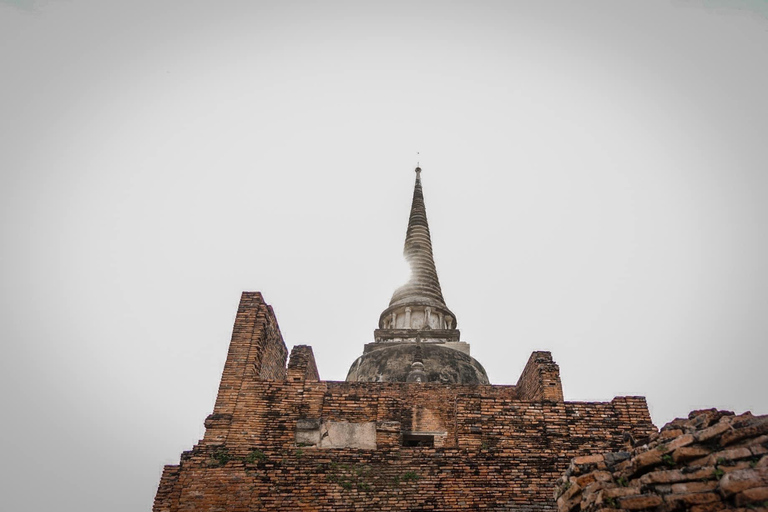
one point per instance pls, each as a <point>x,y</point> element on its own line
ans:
<point>423,286</point>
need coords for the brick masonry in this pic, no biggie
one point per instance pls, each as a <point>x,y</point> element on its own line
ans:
<point>714,460</point>
<point>491,447</point>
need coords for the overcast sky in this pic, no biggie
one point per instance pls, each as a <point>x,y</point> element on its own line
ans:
<point>594,173</point>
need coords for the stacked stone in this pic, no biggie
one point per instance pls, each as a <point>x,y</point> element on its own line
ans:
<point>711,461</point>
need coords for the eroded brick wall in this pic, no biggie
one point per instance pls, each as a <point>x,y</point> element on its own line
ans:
<point>494,447</point>
<point>711,461</point>
<point>540,379</point>
<point>499,452</point>
<point>256,351</point>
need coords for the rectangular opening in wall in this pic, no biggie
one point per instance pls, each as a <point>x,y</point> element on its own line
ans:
<point>421,440</point>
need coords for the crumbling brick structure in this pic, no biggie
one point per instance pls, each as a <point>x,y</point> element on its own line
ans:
<point>416,426</point>
<point>712,461</point>
<point>281,439</point>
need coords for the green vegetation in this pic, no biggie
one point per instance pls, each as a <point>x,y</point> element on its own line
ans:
<point>254,457</point>
<point>410,476</point>
<point>221,456</point>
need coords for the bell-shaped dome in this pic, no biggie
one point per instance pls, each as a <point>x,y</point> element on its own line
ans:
<point>405,362</point>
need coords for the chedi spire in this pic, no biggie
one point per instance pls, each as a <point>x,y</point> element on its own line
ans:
<point>418,304</point>
<point>424,285</point>
<point>417,340</point>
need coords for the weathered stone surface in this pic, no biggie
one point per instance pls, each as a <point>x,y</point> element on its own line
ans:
<point>686,487</point>
<point>713,431</point>
<point>393,362</point>
<point>757,427</point>
<point>733,477</point>
<point>737,481</point>
<point>687,453</point>
<point>640,502</point>
<point>752,495</point>
<point>688,499</point>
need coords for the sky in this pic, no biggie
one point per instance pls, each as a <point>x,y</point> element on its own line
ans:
<point>594,175</point>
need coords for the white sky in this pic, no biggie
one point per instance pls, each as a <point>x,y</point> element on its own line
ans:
<point>594,173</point>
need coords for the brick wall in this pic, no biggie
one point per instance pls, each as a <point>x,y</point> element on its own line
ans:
<point>495,447</point>
<point>540,379</point>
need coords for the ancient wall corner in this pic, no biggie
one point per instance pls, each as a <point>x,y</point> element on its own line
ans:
<point>256,352</point>
<point>540,379</point>
<point>301,365</point>
<point>634,414</point>
<point>168,491</point>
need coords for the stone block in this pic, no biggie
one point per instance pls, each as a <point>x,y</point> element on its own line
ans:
<point>713,431</point>
<point>687,453</point>
<point>615,457</point>
<point>685,487</point>
<point>679,442</point>
<point>640,502</point>
<point>741,479</point>
<point>753,495</point>
<point>757,427</point>
<point>585,480</point>
<point>620,492</point>
<point>308,424</point>
<point>588,459</point>
<point>677,475</point>
<point>687,499</point>
<point>646,460</point>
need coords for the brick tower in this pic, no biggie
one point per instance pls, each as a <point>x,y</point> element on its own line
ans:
<point>416,425</point>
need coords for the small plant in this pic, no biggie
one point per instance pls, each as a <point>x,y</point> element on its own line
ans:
<point>346,484</point>
<point>753,463</point>
<point>410,476</point>
<point>719,473</point>
<point>611,502</point>
<point>622,481</point>
<point>363,486</point>
<point>255,456</point>
<point>662,448</point>
<point>668,460</point>
<point>299,453</point>
<point>221,456</point>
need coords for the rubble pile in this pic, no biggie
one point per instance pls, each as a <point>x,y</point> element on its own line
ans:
<point>714,460</point>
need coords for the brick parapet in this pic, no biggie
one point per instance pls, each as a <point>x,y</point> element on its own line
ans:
<point>301,364</point>
<point>540,379</point>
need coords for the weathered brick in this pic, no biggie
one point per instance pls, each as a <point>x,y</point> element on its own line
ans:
<point>753,495</point>
<point>688,499</point>
<point>739,480</point>
<point>640,502</point>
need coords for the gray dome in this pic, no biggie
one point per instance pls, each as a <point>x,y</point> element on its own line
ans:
<point>394,362</point>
